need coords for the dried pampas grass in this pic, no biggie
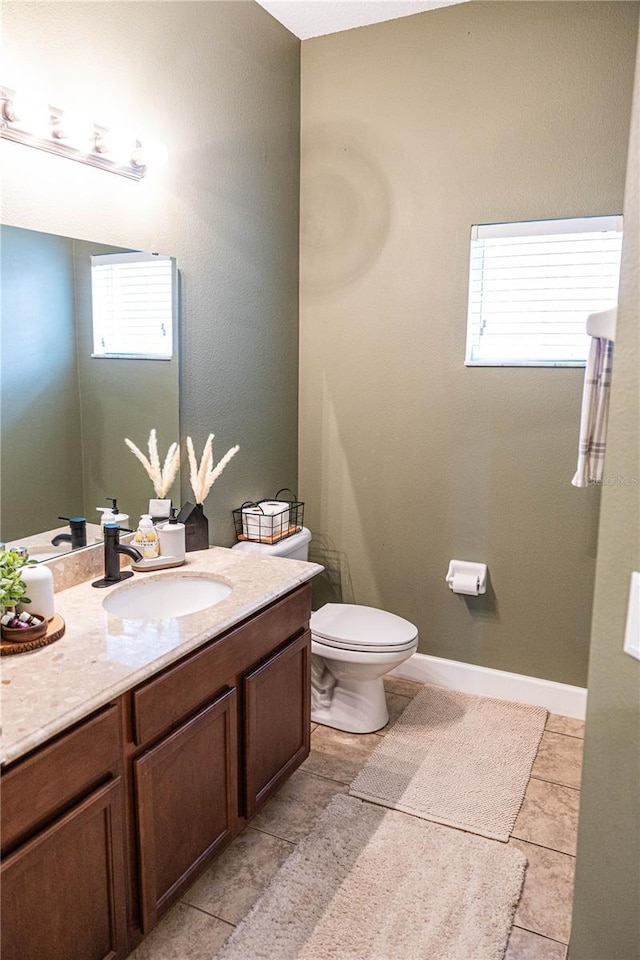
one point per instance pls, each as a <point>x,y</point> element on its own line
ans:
<point>204,476</point>
<point>161,477</point>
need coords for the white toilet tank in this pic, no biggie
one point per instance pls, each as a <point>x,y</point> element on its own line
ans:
<point>295,547</point>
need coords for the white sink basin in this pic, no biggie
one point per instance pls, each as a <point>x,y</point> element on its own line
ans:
<point>165,597</point>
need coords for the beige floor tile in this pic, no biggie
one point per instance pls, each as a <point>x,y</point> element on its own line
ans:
<point>291,813</point>
<point>184,932</point>
<point>524,945</point>
<point>546,901</point>
<point>549,816</point>
<point>566,725</point>
<point>559,759</point>
<point>234,882</point>
<point>405,688</point>
<point>338,755</point>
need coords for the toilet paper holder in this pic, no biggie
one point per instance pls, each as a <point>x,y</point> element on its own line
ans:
<point>465,576</point>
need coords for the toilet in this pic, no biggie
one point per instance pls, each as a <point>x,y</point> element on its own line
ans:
<point>352,648</point>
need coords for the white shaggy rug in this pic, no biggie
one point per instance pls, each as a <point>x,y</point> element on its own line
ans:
<point>456,759</point>
<point>372,884</point>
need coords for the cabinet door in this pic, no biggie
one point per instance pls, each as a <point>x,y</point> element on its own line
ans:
<point>277,725</point>
<point>63,895</point>
<point>186,803</point>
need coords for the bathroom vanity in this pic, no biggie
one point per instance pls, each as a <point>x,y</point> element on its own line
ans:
<point>156,742</point>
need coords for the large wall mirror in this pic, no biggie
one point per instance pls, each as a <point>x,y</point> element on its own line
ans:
<point>64,413</point>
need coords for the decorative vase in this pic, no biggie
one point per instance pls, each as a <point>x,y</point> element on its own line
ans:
<point>196,527</point>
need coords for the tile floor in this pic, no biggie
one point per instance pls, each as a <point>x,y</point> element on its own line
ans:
<point>545,831</point>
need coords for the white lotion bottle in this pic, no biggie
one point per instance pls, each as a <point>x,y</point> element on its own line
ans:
<point>172,538</point>
<point>39,581</point>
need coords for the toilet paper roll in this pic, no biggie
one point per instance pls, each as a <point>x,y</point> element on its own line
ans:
<point>267,521</point>
<point>466,583</point>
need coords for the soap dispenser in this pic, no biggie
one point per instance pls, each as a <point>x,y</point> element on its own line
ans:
<point>172,537</point>
<point>146,538</point>
<point>112,515</point>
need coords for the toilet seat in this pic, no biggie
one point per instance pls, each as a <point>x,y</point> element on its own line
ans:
<point>350,626</point>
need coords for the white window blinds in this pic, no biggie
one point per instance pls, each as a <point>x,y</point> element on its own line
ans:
<point>532,285</point>
<point>133,296</point>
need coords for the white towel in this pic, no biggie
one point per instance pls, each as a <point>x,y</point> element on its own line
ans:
<point>595,410</point>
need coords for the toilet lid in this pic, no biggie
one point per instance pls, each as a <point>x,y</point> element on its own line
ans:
<point>356,627</point>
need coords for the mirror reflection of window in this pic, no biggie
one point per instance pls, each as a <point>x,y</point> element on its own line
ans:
<point>132,299</point>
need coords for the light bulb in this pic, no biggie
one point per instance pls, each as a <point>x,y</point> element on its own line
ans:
<point>151,153</point>
<point>32,116</point>
<point>118,144</point>
<point>75,130</point>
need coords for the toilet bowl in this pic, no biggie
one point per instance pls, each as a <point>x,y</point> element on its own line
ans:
<point>352,648</point>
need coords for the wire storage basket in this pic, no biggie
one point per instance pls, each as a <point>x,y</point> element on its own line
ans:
<point>269,521</point>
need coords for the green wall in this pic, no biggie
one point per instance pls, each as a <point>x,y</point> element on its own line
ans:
<point>606,918</point>
<point>413,130</point>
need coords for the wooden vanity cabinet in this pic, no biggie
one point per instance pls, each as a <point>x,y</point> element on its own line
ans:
<point>104,827</point>
<point>211,738</point>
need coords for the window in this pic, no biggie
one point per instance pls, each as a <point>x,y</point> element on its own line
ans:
<point>532,286</point>
<point>133,298</point>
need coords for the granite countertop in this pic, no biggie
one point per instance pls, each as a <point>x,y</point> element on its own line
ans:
<point>101,656</point>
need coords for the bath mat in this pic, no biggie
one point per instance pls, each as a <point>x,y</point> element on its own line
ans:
<point>456,759</point>
<point>374,884</point>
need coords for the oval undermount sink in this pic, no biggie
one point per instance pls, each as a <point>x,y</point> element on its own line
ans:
<point>165,597</point>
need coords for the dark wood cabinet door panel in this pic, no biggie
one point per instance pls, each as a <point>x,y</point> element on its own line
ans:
<point>186,803</point>
<point>276,722</point>
<point>168,699</point>
<point>40,787</point>
<point>63,892</point>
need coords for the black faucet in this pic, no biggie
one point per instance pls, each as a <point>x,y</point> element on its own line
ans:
<point>77,537</point>
<point>112,550</point>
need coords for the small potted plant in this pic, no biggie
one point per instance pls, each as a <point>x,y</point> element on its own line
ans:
<point>13,590</point>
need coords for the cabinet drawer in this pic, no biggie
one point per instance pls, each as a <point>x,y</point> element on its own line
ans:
<point>182,689</point>
<point>45,783</point>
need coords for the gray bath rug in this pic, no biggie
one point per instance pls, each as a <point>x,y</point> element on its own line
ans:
<point>373,884</point>
<point>456,759</point>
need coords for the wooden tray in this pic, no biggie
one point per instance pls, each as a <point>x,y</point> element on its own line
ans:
<point>55,630</point>
<point>270,540</point>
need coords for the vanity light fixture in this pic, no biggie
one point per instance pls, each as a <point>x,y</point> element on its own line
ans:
<point>69,135</point>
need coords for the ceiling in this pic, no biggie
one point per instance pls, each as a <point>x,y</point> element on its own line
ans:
<point>315,18</point>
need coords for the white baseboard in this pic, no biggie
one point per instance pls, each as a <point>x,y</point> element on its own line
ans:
<point>559,698</point>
